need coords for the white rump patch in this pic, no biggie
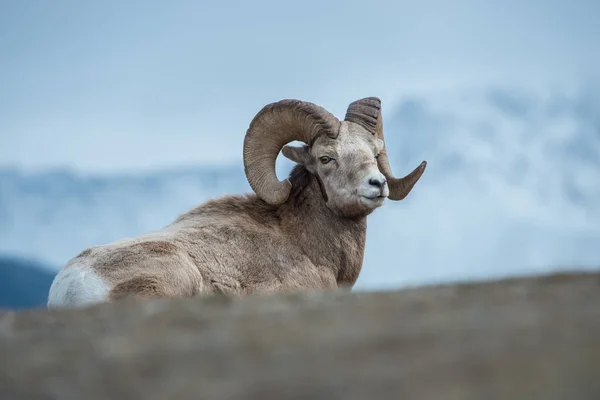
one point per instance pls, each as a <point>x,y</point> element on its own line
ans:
<point>77,286</point>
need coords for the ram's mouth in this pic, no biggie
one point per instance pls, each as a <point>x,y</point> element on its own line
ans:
<point>374,198</point>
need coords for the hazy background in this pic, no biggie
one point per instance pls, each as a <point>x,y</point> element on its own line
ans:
<point>116,116</point>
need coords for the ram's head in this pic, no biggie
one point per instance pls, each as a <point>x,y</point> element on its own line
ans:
<point>348,157</point>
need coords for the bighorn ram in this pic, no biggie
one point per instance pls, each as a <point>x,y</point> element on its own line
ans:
<point>306,232</point>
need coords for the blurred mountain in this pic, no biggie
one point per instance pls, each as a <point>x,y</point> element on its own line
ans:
<point>23,283</point>
<point>512,186</point>
<point>55,213</point>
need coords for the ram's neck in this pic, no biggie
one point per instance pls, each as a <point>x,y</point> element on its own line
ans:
<point>331,241</point>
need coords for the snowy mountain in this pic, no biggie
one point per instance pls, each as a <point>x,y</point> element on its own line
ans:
<point>512,187</point>
<point>53,214</point>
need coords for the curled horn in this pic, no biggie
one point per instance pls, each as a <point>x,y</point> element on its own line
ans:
<point>273,127</point>
<point>367,113</point>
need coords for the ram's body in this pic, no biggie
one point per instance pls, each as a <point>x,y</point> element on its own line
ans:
<point>303,234</point>
<point>233,245</point>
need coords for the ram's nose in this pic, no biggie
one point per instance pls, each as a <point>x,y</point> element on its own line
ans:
<point>379,182</point>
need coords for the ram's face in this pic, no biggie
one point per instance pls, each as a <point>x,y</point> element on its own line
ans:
<point>348,157</point>
<point>347,167</point>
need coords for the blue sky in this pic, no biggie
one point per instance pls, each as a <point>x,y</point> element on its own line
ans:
<point>130,85</point>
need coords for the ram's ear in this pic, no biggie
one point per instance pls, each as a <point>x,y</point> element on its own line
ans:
<point>299,155</point>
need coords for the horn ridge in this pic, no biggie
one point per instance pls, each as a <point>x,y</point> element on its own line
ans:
<point>273,127</point>
<point>364,112</point>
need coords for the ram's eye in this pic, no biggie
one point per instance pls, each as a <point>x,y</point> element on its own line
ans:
<point>325,159</point>
<point>377,155</point>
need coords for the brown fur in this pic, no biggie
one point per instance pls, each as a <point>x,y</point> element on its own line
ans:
<point>223,246</point>
<point>139,286</point>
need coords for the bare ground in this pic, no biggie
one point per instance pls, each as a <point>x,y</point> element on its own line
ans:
<point>527,338</point>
